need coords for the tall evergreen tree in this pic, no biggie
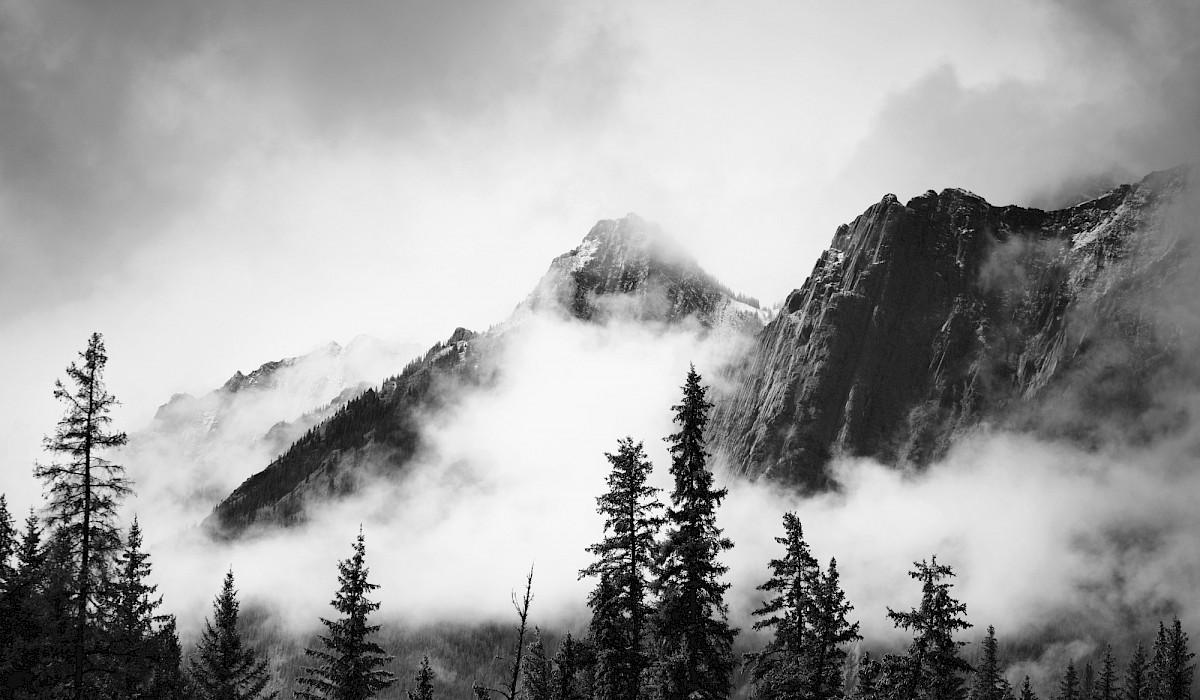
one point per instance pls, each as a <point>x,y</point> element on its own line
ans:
<point>567,662</point>
<point>222,667</point>
<point>1068,688</point>
<point>868,680</point>
<point>141,648</point>
<point>8,544</point>
<point>693,655</point>
<point>1088,682</point>
<point>624,559</point>
<point>351,665</point>
<point>808,612</point>
<point>1027,690</point>
<point>423,682</point>
<point>84,490</point>
<point>1171,671</point>
<point>24,616</point>
<point>932,669</point>
<point>536,677</point>
<point>1137,676</point>
<point>988,682</point>
<point>1106,687</point>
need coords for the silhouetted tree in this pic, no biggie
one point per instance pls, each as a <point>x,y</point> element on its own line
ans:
<point>537,672</point>
<point>222,667</point>
<point>623,561</point>
<point>84,489</point>
<point>988,683</point>
<point>1068,687</point>
<point>693,655</point>
<point>1027,690</point>
<point>1137,676</point>
<point>140,645</point>
<point>1171,671</point>
<point>423,682</point>
<point>1106,681</point>
<point>807,612</point>
<point>521,605</point>
<point>351,664</point>
<point>932,669</point>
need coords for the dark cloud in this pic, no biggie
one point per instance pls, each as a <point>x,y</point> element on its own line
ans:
<point>114,116</point>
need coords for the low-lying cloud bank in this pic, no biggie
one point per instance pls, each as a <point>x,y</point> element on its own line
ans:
<point>1040,534</point>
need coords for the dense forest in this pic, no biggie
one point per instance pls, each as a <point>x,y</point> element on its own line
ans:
<point>80,619</point>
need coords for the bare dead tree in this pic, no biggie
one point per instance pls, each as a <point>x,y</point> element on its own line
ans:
<point>521,605</point>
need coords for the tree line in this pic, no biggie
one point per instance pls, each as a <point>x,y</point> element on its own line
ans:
<point>79,618</point>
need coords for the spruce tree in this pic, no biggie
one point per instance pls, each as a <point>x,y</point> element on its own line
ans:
<point>24,615</point>
<point>141,647</point>
<point>868,681</point>
<point>694,658</point>
<point>84,490</point>
<point>988,682</point>
<point>423,682</point>
<point>1171,671</point>
<point>624,559</point>
<point>351,665</point>
<point>808,615</point>
<point>222,668</point>
<point>1068,687</point>
<point>1027,690</point>
<point>536,677</point>
<point>8,544</point>
<point>932,669</point>
<point>1088,682</point>
<point>567,663</point>
<point>1106,681</point>
<point>1136,685</point>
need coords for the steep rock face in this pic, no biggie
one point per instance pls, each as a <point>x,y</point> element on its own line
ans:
<point>624,268</point>
<point>924,319</point>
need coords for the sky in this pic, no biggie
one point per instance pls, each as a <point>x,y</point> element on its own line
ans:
<point>215,185</point>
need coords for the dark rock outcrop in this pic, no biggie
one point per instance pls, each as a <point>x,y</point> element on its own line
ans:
<point>925,319</point>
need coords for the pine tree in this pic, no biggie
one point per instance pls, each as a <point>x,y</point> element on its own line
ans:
<point>8,545</point>
<point>567,662</point>
<point>84,490</point>
<point>351,665</point>
<point>1106,682</point>
<point>1027,690</point>
<point>1171,671</point>
<point>423,682</point>
<point>832,631</point>
<point>808,615</point>
<point>222,668</point>
<point>536,677</point>
<point>24,617</point>
<point>868,679</point>
<point>141,646</point>
<point>989,683</point>
<point>1087,684</point>
<point>624,559</point>
<point>694,658</point>
<point>1068,688</point>
<point>932,669</point>
<point>1137,676</point>
<point>510,688</point>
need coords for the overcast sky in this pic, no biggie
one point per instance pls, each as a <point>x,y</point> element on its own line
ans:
<point>214,185</point>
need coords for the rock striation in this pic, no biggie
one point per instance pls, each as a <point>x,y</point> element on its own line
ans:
<point>927,319</point>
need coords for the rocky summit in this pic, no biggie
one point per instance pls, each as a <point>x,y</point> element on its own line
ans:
<point>928,319</point>
<point>625,268</point>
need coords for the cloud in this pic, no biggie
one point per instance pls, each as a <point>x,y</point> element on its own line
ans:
<point>118,119</point>
<point>1120,98</point>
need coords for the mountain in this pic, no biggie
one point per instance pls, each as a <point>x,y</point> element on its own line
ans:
<point>625,268</point>
<point>926,320</point>
<point>229,432</point>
